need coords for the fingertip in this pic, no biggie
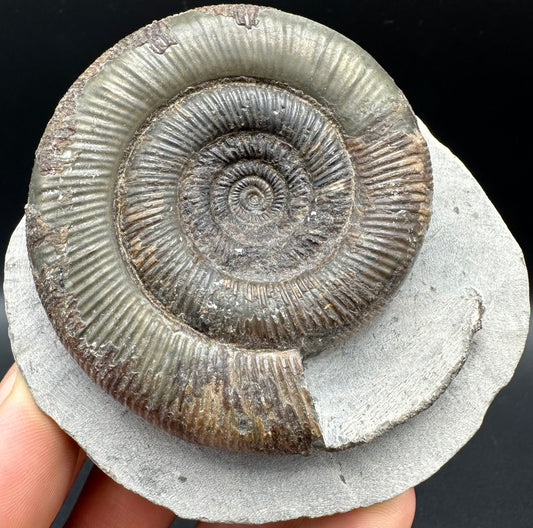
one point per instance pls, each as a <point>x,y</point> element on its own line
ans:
<point>403,508</point>
<point>106,504</point>
<point>409,508</point>
<point>38,461</point>
<point>398,512</point>
<point>6,385</point>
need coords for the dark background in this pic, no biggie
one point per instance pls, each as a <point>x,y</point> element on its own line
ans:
<point>465,68</point>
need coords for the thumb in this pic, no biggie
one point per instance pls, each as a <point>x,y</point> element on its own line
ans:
<point>38,461</point>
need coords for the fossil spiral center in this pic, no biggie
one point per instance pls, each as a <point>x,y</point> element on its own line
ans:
<point>248,193</point>
<point>250,197</point>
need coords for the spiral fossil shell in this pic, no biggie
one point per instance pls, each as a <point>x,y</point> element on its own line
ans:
<point>221,195</point>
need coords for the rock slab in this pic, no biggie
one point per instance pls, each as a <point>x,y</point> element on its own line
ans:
<point>408,391</point>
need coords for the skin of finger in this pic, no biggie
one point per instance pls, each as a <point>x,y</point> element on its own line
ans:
<point>82,458</point>
<point>105,504</point>
<point>38,461</point>
<point>398,512</point>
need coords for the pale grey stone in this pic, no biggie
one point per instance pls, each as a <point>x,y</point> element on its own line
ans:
<point>470,268</point>
<point>395,367</point>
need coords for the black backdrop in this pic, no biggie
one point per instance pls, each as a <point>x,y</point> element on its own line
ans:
<point>465,68</point>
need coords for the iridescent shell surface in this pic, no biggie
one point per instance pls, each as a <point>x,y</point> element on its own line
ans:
<point>219,196</point>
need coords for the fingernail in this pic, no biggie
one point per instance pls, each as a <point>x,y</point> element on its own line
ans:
<point>7,383</point>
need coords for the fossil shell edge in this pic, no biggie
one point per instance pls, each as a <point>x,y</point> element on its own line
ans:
<point>229,373</point>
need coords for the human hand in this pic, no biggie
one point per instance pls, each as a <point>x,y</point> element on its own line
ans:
<point>39,463</point>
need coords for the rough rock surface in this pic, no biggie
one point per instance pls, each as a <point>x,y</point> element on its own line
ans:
<point>425,351</point>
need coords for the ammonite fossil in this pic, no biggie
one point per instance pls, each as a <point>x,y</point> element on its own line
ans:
<point>221,195</point>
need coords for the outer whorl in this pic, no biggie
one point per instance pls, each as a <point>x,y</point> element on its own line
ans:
<point>220,195</point>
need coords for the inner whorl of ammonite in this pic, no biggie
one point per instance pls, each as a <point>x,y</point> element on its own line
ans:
<point>218,198</point>
<point>251,192</point>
